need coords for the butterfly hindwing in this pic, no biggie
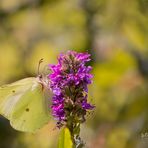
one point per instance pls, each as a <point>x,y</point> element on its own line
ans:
<point>24,104</point>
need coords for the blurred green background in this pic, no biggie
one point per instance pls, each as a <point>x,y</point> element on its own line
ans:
<point>115,32</point>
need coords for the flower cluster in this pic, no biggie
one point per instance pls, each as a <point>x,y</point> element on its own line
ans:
<point>69,81</point>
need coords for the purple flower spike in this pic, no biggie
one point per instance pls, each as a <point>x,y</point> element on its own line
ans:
<point>69,81</point>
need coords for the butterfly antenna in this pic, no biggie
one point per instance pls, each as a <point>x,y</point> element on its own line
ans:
<point>40,61</point>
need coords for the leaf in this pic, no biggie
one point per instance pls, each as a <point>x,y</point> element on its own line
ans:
<point>65,140</point>
<point>24,104</point>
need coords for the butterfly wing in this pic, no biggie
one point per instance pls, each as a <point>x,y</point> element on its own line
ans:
<point>24,104</point>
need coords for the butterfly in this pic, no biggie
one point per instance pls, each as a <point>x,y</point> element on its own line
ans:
<point>25,103</point>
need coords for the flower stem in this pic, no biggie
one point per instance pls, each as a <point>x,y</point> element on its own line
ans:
<point>75,134</point>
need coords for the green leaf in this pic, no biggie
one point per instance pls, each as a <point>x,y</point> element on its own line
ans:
<point>65,140</point>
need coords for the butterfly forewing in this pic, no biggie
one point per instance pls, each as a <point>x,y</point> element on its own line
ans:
<point>10,95</point>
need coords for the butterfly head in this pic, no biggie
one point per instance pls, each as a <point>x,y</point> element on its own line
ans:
<point>42,78</point>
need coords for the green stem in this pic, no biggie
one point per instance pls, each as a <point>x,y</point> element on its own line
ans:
<point>74,129</point>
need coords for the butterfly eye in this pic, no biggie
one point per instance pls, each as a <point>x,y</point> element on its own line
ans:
<point>40,76</point>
